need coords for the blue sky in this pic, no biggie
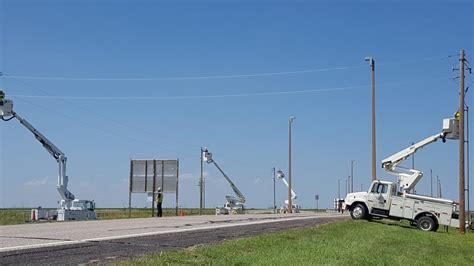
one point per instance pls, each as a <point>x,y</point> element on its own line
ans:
<point>415,46</point>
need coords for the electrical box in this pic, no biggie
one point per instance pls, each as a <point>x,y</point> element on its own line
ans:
<point>6,107</point>
<point>451,128</point>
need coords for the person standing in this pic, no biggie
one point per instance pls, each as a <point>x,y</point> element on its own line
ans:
<point>159,201</point>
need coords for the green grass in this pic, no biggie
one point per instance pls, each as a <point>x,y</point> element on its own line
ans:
<point>14,216</point>
<point>21,216</point>
<point>341,243</point>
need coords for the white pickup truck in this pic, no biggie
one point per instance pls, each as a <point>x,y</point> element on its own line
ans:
<point>382,200</point>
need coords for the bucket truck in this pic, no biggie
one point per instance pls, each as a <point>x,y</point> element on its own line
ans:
<point>385,200</point>
<point>70,207</point>
<point>285,208</point>
<point>233,205</point>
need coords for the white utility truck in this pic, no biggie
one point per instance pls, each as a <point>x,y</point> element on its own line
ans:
<point>233,205</point>
<point>384,200</point>
<point>285,208</point>
<point>70,207</point>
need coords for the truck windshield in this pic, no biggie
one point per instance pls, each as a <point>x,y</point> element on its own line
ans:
<point>379,188</point>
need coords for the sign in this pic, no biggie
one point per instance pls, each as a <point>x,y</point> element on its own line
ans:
<point>147,176</point>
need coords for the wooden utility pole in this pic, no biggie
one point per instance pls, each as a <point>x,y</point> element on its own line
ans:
<point>372,65</point>
<point>374,171</point>
<point>461,145</point>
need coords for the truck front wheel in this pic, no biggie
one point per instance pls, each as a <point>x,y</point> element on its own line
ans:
<point>426,223</point>
<point>358,212</point>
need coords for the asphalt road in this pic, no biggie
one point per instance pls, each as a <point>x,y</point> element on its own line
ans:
<point>125,239</point>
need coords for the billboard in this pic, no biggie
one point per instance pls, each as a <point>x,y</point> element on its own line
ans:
<point>146,176</point>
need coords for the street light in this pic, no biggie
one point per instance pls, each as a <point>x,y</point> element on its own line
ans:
<point>290,122</point>
<point>372,66</point>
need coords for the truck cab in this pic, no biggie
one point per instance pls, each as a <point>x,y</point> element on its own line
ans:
<point>376,201</point>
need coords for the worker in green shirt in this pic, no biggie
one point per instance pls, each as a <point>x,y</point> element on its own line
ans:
<point>159,201</point>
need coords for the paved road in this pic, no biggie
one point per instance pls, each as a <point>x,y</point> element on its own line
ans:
<point>105,241</point>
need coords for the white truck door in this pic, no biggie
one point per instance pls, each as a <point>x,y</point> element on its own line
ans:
<point>378,196</point>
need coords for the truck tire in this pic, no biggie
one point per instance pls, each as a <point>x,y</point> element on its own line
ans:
<point>358,212</point>
<point>426,223</point>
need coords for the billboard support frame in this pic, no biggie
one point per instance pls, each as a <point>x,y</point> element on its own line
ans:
<point>155,175</point>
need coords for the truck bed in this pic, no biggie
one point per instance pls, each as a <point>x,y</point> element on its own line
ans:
<point>409,208</point>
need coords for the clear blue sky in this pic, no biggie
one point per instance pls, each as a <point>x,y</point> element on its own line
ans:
<point>411,42</point>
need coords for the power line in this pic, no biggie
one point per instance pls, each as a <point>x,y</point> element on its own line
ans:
<point>96,114</point>
<point>212,76</point>
<point>82,124</point>
<point>186,78</point>
<point>185,97</point>
<point>209,96</point>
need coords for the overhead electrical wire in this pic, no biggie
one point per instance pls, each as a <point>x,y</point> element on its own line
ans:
<point>185,97</point>
<point>186,78</point>
<point>96,114</point>
<point>12,76</point>
<point>124,98</point>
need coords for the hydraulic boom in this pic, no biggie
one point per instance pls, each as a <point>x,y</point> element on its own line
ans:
<point>232,202</point>
<point>408,178</point>
<point>70,208</point>
<point>284,209</point>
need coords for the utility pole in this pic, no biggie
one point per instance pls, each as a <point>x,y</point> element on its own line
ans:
<point>274,198</point>
<point>440,190</point>
<point>438,187</point>
<point>290,206</point>
<point>352,175</point>
<point>431,182</point>
<point>201,185</point>
<point>338,188</point>
<point>467,163</point>
<point>316,197</point>
<point>461,145</point>
<point>348,184</point>
<point>372,65</point>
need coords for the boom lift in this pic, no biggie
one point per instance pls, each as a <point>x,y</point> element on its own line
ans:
<point>70,207</point>
<point>382,200</point>
<point>408,178</point>
<point>284,209</point>
<point>233,205</point>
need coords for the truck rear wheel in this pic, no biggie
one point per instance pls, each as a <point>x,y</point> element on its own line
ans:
<point>426,223</point>
<point>358,212</point>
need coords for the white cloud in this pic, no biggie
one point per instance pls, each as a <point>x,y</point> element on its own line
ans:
<point>35,183</point>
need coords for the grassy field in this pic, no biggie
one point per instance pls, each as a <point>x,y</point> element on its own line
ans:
<point>21,216</point>
<point>342,243</point>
